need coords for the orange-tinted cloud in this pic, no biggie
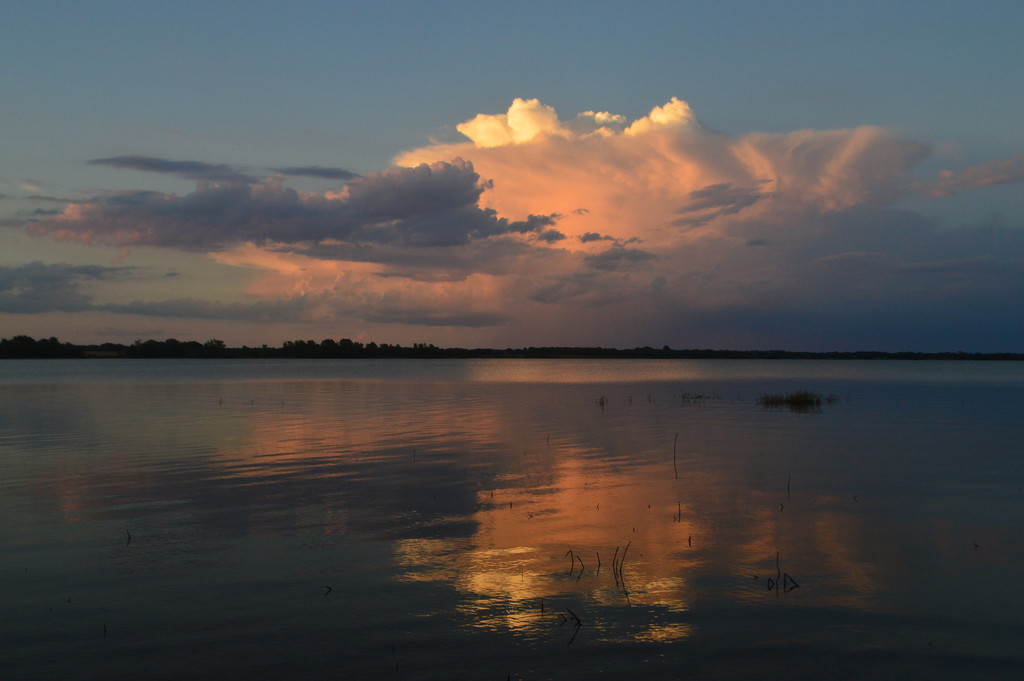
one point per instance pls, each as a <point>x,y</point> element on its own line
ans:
<point>1008,171</point>
<point>638,231</point>
<point>631,181</point>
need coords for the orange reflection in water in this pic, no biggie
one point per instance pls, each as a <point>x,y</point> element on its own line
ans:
<point>574,522</point>
<point>539,550</point>
<point>316,423</point>
<point>587,536</point>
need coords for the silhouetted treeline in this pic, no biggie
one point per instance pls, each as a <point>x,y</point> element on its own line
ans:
<point>25,347</point>
<point>30,348</point>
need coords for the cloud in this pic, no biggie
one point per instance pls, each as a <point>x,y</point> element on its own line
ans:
<point>191,170</point>
<point>48,199</point>
<point>1007,171</point>
<point>215,172</point>
<point>698,200</point>
<point>618,257</point>
<point>716,200</point>
<point>192,308</point>
<point>318,171</point>
<point>676,114</point>
<point>427,205</point>
<point>528,120</point>
<point>418,290</point>
<point>37,287</point>
<point>665,170</point>
<point>595,229</point>
<point>551,236</point>
<point>524,122</point>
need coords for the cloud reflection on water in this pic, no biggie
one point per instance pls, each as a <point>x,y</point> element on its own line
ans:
<point>462,499</point>
<point>527,475</point>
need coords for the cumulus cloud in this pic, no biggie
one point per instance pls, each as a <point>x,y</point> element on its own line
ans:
<point>594,229</point>
<point>528,119</point>
<point>697,200</point>
<point>665,171</point>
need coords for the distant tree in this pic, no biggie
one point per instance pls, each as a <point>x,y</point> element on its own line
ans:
<point>329,348</point>
<point>214,348</point>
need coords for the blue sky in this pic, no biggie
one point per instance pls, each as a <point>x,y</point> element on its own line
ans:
<point>912,109</point>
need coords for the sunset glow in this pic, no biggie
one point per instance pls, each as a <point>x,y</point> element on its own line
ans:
<point>537,216</point>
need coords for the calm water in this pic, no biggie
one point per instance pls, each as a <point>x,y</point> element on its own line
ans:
<point>510,519</point>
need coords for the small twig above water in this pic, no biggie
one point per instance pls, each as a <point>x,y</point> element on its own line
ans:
<point>579,625</point>
<point>674,466</point>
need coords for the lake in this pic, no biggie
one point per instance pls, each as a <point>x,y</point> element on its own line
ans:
<point>510,519</point>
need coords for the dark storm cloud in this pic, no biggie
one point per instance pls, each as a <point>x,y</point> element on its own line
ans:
<point>301,308</point>
<point>38,287</point>
<point>587,237</point>
<point>713,201</point>
<point>191,308</point>
<point>497,255</point>
<point>617,257</point>
<point>436,318</point>
<point>425,206</point>
<point>551,236</point>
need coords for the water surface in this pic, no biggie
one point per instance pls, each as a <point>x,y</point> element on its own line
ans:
<point>537,519</point>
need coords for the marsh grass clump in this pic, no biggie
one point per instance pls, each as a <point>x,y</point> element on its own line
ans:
<point>799,400</point>
<point>699,397</point>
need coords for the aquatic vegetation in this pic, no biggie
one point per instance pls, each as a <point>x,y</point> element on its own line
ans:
<point>799,400</point>
<point>699,397</point>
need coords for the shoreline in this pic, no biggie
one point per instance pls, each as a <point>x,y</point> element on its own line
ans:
<point>25,347</point>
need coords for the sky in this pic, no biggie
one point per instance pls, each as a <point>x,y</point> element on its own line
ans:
<point>732,175</point>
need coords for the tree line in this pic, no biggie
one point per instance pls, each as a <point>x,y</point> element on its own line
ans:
<point>26,347</point>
